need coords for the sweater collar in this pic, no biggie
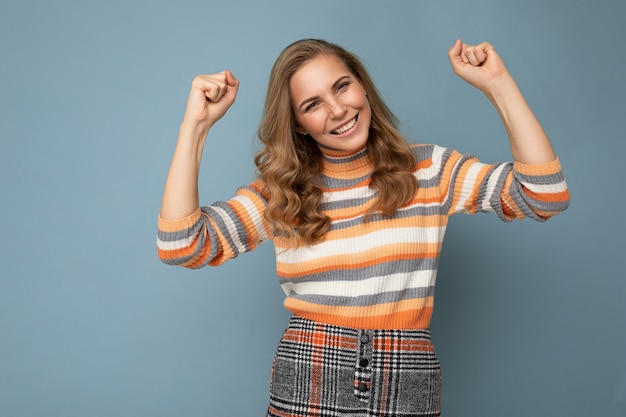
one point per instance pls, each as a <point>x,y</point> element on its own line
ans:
<point>346,164</point>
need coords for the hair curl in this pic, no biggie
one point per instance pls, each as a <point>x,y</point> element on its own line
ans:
<point>290,162</point>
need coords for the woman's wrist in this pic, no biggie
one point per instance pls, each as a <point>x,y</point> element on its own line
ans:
<point>194,129</point>
<point>501,89</point>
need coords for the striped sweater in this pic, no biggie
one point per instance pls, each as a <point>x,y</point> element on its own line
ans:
<point>378,274</point>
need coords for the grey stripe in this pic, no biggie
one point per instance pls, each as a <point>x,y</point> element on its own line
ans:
<point>541,179</point>
<point>337,183</point>
<point>430,183</point>
<point>240,230</point>
<point>495,201</point>
<point>425,153</point>
<point>181,234</point>
<point>546,205</point>
<point>342,160</point>
<point>483,189</point>
<point>404,266</point>
<point>528,205</point>
<point>200,244</point>
<point>453,179</point>
<point>418,212</point>
<point>367,300</point>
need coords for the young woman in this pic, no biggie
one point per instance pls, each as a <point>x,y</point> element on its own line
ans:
<point>357,216</point>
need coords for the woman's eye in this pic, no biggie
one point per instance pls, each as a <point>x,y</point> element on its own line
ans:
<point>311,106</point>
<point>342,86</point>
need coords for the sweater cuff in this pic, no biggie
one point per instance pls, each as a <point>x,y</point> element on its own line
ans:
<point>547,168</point>
<point>179,224</point>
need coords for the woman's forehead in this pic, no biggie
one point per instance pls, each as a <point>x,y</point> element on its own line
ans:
<point>320,72</point>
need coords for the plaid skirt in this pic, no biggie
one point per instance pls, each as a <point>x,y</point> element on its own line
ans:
<point>324,370</point>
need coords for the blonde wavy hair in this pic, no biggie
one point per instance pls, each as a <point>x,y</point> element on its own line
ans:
<point>290,162</point>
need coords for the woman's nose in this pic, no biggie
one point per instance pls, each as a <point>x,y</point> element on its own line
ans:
<point>336,108</point>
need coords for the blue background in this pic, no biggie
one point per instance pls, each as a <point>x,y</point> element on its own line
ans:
<point>529,318</point>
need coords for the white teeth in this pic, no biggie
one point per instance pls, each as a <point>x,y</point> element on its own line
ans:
<point>345,128</point>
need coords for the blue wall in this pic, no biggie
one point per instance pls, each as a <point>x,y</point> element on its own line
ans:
<point>529,318</point>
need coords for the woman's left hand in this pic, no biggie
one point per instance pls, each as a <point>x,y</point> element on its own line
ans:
<point>479,65</point>
<point>482,67</point>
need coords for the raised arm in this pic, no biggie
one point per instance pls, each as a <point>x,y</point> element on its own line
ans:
<point>209,99</point>
<point>483,68</point>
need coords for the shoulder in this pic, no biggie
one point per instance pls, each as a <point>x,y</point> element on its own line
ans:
<point>431,154</point>
<point>257,189</point>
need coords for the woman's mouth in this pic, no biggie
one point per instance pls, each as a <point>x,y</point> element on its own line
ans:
<point>345,128</point>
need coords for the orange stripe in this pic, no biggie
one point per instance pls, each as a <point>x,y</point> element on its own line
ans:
<point>433,220</point>
<point>179,224</point>
<point>460,181</point>
<point>548,168</point>
<point>393,345</point>
<point>179,252</point>
<point>427,163</point>
<point>317,368</point>
<point>548,197</point>
<point>406,314</point>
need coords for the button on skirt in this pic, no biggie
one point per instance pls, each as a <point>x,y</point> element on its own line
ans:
<point>325,370</point>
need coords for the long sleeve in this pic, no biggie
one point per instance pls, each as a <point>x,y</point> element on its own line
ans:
<point>510,190</point>
<point>216,233</point>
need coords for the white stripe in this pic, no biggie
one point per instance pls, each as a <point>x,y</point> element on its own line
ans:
<point>175,244</point>
<point>361,243</point>
<point>370,286</point>
<point>435,169</point>
<point>350,194</point>
<point>545,188</point>
<point>400,210</point>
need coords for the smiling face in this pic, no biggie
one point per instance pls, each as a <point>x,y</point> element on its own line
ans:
<point>330,104</point>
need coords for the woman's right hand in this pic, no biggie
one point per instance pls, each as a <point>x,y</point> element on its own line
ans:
<point>210,98</point>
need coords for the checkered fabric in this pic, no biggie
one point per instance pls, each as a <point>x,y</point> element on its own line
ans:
<point>323,370</point>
